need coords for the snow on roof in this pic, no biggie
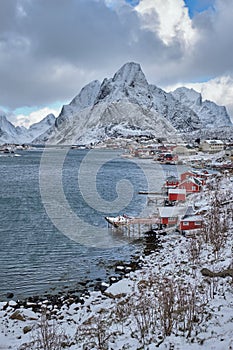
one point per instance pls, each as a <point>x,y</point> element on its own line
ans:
<point>189,211</point>
<point>219,142</point>
<point>172,178</point>
<point>193,218</point>
<point>177,191</point>
<point>193,180</point>
<point>200,172</point>
<point>168,212</point>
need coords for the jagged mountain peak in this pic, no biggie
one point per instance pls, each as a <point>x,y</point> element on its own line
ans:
<point>130,74</point>
<point>211,115</point>
<point>128,83</point>
<point>186,95</point>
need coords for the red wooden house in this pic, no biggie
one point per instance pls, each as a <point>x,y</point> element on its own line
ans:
<point>171,182</point>
<point>169,215</point>
<point>186,175</point>
<point>201,175</point>
<point>191,185</point>
<point>167,158</point>
<point>177,194</point>
<point>191,223</point>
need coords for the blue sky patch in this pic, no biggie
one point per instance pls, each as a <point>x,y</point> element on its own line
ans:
<point>133,2</point>
<point>194,6</point>
<point>197,6</point>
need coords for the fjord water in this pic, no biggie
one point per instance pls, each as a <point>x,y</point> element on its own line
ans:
<point>35,257</point>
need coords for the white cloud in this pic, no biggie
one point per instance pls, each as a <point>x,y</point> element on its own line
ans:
<point>168,18</point>
<point>33,117</point>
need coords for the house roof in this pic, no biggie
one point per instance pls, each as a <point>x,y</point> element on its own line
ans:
<point>172,178</point>
<point>189,211</point>
<point>194,180</point>
<point>168,212</point>
<point>177,191</point>
<point>192,218</point>
<point>214,142</point>
<point>200,173</point>
<point>188,172</point>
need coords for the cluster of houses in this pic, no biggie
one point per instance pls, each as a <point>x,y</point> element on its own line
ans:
<point>166,152</point>
<point>175,213</point>
<point>10,148</point>
<point>190,181</point>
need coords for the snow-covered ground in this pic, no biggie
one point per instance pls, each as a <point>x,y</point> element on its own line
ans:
<point>167,304</point>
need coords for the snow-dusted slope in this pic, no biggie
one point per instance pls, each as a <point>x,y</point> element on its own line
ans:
<point>11,134</point>
<point>84,99</point>
<point>211,115</point>
<point>8,132</point>
<point>181,116</point>
<point>115,119</point>
<point>39,128</point>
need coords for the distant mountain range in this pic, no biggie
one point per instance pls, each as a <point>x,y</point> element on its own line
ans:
<point>127,106</point>
<point>19,134</point>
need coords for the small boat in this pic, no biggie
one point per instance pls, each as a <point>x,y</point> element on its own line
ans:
<point>118,220</point>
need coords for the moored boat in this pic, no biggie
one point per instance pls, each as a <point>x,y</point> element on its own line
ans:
<point>117,220</point>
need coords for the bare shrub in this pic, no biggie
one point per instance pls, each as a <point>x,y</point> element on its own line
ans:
<point>121,312</point>
<point>95,332</point>
<point>48,336</point>
<point>194,249</point>
<point>216,221</point>
<point>145,317</point>
<point>166,300</point>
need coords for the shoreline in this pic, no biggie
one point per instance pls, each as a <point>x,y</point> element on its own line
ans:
<point>69,294</point>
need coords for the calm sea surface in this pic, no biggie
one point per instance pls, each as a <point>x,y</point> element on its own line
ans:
<point>35,256</point>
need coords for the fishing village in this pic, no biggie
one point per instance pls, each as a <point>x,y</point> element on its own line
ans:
<point>174,204</point>
<point>116,175</point>
<point>192,273</point>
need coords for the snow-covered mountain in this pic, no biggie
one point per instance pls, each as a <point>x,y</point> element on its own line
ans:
<point>126,106</point>
<point>210,114</point>
<point>8,132</point>
<point>11,134</point>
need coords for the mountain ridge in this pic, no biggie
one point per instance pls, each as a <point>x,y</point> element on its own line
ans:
<point>128,93</point>
<point>126,105</point>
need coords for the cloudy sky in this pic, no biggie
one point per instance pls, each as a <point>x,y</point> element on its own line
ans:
<point>49,49</point>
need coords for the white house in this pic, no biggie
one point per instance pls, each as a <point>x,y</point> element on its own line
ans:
<point>212,146</point>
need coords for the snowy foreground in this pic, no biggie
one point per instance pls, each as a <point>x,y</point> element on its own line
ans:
<point>170,303</point>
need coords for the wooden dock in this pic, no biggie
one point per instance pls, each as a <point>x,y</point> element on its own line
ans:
<point>138,226</point>
<point>151,193</point>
